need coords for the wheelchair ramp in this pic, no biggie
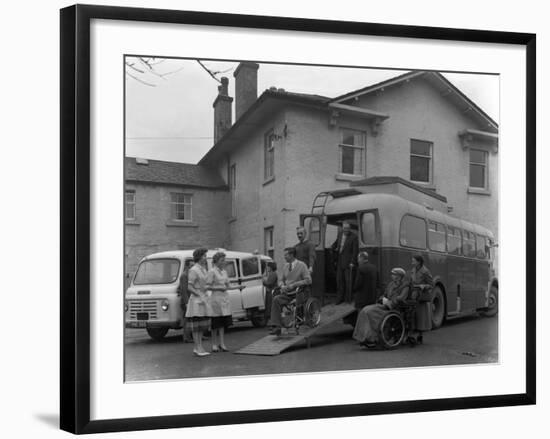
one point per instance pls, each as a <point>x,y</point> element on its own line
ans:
<point>275,344</point>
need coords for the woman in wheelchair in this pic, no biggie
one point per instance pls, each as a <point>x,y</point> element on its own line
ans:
<point>366,330</point>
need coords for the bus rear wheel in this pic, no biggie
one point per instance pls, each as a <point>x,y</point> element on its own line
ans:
<point>438,307</point>
<point>492,306</point>
<point>157,334</point>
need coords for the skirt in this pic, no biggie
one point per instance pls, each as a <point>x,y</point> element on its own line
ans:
<point>221,322</point>
<point>197,324</point>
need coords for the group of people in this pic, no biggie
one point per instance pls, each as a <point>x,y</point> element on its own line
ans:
<point>357,281</point>
<point>415,286</point>
<point>205,311</point>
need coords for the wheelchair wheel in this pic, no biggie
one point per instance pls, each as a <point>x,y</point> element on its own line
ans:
<point>312,312</point>
<point>392,330</point>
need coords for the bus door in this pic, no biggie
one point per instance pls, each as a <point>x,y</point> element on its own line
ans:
<point>369,234</point>
<point>315,226</point>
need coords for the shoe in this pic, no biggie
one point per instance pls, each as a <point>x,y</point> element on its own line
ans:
<point>215,349</point>
<point>200,354</point>
<point>275,331</point>
<point>224,349</point>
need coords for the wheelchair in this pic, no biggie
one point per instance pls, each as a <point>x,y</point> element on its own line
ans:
<point>396,327</point>
<point>293,316</point>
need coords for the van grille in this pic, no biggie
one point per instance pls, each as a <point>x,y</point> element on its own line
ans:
<point>144,306</point>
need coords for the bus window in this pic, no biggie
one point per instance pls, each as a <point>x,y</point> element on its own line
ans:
<point>454,241</point>
<point>412,232</point>
<point>368,229</point>
<point>436,236</point>
<point>481,247</point>
<point>313,230</point>
<point>469,245</point>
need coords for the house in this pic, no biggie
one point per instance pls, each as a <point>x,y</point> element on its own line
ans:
<point>170,206</point>
<point>284,148</point>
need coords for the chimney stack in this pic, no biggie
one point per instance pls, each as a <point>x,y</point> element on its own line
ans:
<point>222,111</point>
<point>246,87</point>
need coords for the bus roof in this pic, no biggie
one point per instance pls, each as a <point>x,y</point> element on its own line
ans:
<point>183,254</point>
<point>394,206</point>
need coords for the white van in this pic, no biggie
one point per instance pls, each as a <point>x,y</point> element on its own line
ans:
<point>152,301</point>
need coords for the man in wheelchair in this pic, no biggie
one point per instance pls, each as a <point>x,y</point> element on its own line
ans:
<point>296,280</point>
<point>390,315</point>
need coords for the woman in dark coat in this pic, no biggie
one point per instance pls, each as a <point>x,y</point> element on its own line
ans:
<point>270,281</point>
<point>421,279</point>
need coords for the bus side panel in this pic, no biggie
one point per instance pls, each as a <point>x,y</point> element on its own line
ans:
<point>468,296</point>
<point>454,283</point>
<point>482,282</point>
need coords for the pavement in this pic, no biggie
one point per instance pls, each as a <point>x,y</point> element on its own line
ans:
<point>467,340</point>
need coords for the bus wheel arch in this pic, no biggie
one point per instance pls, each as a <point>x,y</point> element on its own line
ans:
<point>492,305</point>
<point>439,305</point>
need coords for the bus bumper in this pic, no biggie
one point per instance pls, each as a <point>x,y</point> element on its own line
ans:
<point>176,324</point>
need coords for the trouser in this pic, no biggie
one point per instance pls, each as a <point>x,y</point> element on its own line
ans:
<point>278,303</point>
<point>343,284</point>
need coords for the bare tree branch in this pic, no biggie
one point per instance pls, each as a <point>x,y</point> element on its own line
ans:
<point>208,71</point>
<point>139,80</point>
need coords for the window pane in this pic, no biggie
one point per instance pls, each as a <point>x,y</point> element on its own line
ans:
<point>313,230</point>
<point>348,156</point>
<point>420,169</point>
<point>352,137</point>
<point>187,212</point>
<point>160,271</point>
<point>250,266</point>
<point>368,229</point>
<point>421,148</point>
<point>454,241</point>
<point>481,249</point>
<point>469,245</point>
<point>436,236</point>
<point>477,176</point>
<point>477,156</point>
<point>230,269</point>
<point>413,232</point>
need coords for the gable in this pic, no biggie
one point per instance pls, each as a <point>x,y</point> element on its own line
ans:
<point>441,89</point>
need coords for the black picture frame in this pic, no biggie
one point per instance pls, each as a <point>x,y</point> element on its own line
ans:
<point>75,217</point>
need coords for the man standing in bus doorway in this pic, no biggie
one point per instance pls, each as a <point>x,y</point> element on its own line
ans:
<point>305,249</point>
<point>365,286</point>
<point>346,247</point>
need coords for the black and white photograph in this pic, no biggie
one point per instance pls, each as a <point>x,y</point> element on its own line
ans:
<point>284,218</point>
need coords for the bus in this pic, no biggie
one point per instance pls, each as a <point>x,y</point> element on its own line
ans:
<point>392,228</point>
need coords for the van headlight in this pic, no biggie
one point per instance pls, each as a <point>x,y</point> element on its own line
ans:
<point>165,305</point>
<point>126,307</point>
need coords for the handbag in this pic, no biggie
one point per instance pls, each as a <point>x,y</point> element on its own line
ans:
<point>425,294</point>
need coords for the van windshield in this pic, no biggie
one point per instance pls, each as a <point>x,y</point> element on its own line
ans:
<point>157,271</point>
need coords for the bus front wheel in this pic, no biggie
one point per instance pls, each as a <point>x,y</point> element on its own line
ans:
<point>438,307</point>
<point>157,334</point>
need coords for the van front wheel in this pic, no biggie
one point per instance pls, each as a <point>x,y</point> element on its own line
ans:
<point>258,319</point>
<point>157,334</point>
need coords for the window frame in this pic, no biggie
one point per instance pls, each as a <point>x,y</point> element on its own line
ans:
<point>474,255</point>
<point>444,240</point>
<point>485,167</point>
<point>362,148</point>
<point>269,155</point>
<point>425,232</point>
<point>459,248</point>
<point>269,231</point>
<point>174,204</point>
<point>430,164</point>
<point>126,204</point>
<point>233,188</point>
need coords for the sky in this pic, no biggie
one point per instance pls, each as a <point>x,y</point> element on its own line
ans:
<point>172,119</point>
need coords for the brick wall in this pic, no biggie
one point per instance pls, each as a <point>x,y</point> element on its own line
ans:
<point>154,230</point>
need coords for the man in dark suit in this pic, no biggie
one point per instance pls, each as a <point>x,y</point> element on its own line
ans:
<point>346,247</point>
<point>365,286</point>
